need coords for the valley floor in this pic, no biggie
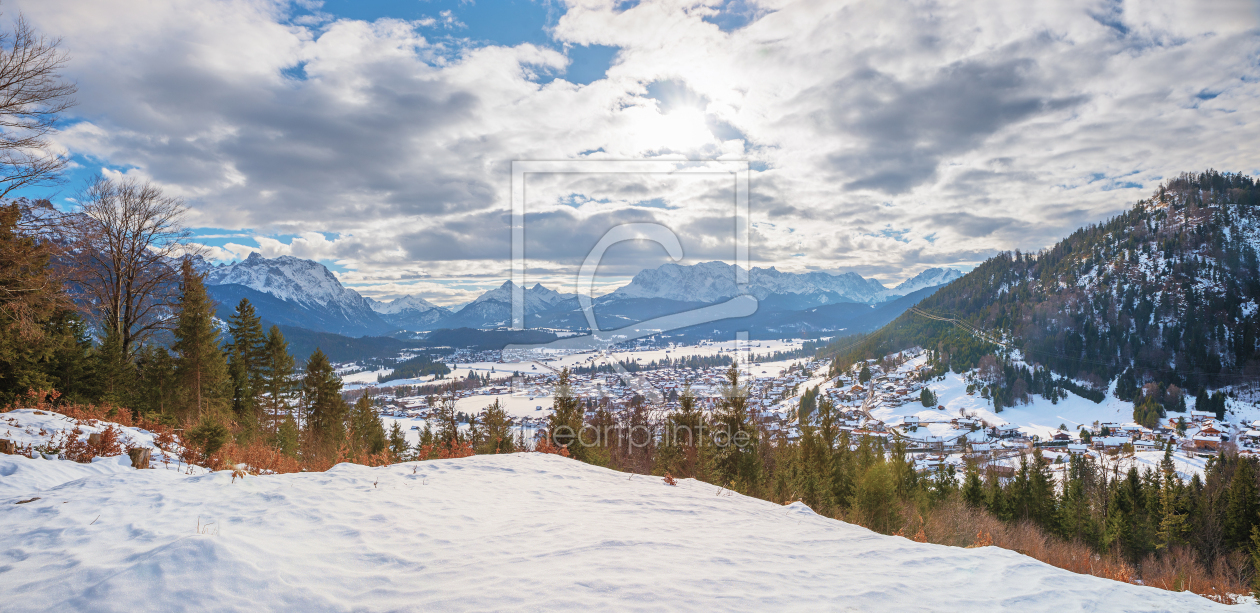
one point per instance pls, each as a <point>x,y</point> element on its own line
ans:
<point>514,532</point>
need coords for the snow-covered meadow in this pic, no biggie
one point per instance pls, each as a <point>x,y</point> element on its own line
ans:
<point>516,532</point>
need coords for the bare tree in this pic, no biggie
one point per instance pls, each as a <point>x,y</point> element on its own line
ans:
<point>32,96</point>
<point>127,240</point>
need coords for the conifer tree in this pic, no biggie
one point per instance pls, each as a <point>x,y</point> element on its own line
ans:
<point>1242,507</point>
<point>1202,402</point>
<point>200,367</point>
<point>864,375</point>
<point>321,396</point>
<point>246,360</point>
<point>115,372</point>
<point>35,316</point>
<point>427,441</point>
<point>399,451</point>
<point>1255,562</point>
<point>157,391</point>
<point>875,498</point>
<point>1172,523</point>
<point>679,453</point>
<point>495,433</point>
<point>928,398</point>
<point>288,437</point>
<point>808,404</point>
<point>564,426</point>
<point>1218,405</point>
<point>276,376</point>
<point>973,487</point>
<point>447,436</point>
<point>735,459</point>
<point>367,435</point>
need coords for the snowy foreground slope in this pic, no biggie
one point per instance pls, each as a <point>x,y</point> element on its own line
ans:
<point>516,532</point>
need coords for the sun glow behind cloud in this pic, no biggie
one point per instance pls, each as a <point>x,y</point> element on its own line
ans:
<point>381,143</point>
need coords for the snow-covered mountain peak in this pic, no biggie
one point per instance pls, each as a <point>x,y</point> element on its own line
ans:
<point>536,295</point>
<point>713,281</point>
<point>928,278</point>
<point>405,304</point>
<point>290,279</point>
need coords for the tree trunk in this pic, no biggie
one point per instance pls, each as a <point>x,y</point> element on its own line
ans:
<point>140,457</point>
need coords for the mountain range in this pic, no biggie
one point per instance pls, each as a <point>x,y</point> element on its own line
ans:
<point>1166,293</point>
<point>301,293</point>
<point>713,281</point>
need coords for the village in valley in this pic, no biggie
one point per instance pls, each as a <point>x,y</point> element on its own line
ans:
<point>944,422</point>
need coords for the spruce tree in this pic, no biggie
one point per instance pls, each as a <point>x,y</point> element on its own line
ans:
<point>973,487</point>
<point>200,367</point>
<point>427,441</point>
<point>564,426</point>
<point>367,435</point>
<point>679,451</point>
<point>1172,522</point>
<point>115,372</point>
<point>398,448</point>
<point>288,437</point>
<point>735,459</point>
<point>324,407</point>
<point>447,436</point>
<point>928,398</point>
<point>1255,562</point>
<point>808,403</point>
<point>1218,405</point>
<point>1202,402</point>
<point>246,361</point>
<point>875,499</point>
<point>495,434</point>
<point>36,317</point>
<point>157,392</point>
<point>277,377</point>
<point>1242,506</point>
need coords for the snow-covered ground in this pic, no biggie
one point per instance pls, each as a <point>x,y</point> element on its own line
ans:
<point>1040,417</point>
<point>707,349</point>
<point>40,429</point>
<point>363,379</point>
<point>548,361</point>
<point>515,532</point>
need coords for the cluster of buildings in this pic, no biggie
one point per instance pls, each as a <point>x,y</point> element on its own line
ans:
<point>773,396</point>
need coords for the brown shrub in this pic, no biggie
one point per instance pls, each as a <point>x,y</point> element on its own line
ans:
<point>956,524</point>
<point>1180,570</point>
<point>546,446</point>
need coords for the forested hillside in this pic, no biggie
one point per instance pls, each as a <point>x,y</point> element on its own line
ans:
<point>1164,293</point>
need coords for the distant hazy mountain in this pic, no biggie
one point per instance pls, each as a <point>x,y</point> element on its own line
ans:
<point>406,304</point>
<point>537,298</point>
<point>714,281</point>
<point>304,294</point>
<point>931,277</point>
<point>409,312</point>
<point>493,309</point>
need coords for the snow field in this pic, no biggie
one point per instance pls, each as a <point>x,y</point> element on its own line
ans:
<point>514,532</point>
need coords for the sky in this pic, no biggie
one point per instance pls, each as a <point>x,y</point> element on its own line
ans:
<point>883,137</point>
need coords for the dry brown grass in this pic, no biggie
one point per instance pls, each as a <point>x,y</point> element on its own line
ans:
<point>1180,569</point>
<point>956,524</point>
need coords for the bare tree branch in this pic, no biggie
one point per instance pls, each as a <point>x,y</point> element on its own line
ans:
<point>126,241</point>
<point>32,98</point>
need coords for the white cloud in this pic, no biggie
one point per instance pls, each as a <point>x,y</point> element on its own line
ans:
<point>896,135</point>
